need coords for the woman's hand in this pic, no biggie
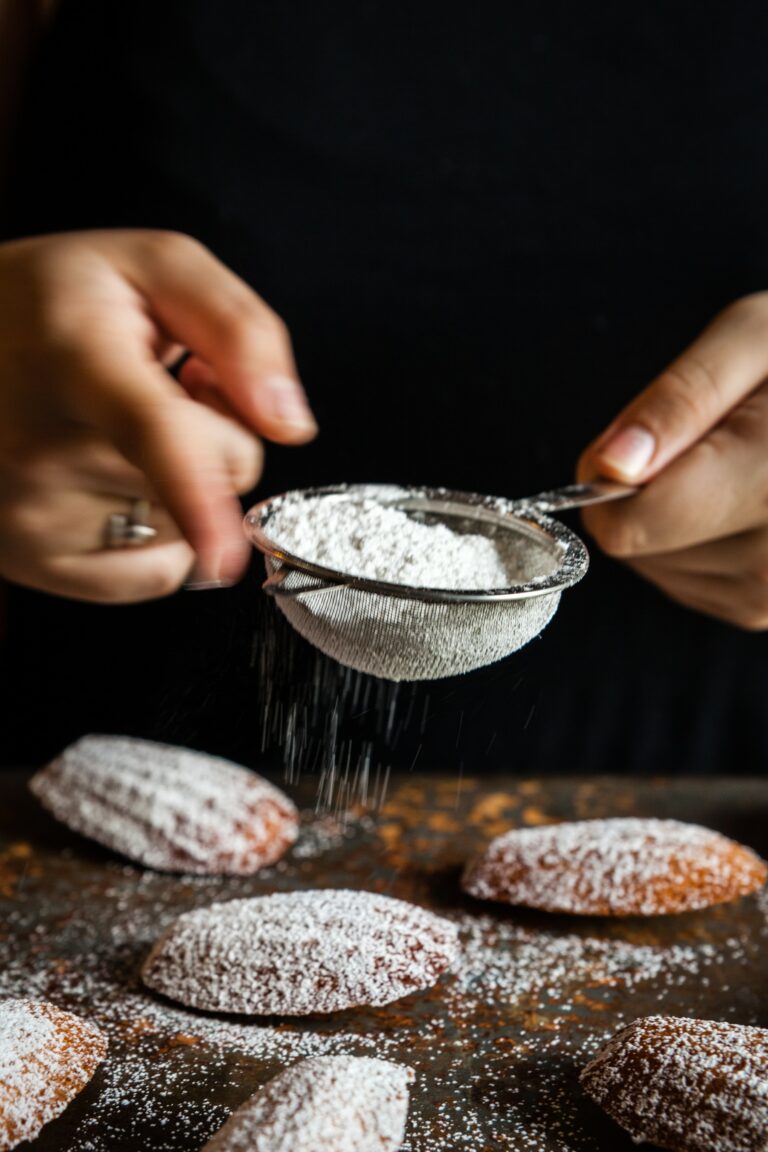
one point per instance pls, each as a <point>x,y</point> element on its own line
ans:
<point>697,440</point>
<point>90,420</point>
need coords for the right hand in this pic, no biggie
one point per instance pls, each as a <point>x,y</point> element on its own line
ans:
<point>91,420</point>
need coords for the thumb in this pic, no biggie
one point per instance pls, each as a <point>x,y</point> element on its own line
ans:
<point>698,390</point>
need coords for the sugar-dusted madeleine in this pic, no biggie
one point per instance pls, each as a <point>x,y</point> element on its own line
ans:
<point>624,866</point>
<point>168,808</point>
<point>685,1085</point>
<point>333,1103</point>
<point>298,953</point>
<point>47,1056</point>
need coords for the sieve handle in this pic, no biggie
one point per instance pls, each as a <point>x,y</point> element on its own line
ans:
<point>274,585</point>
<point>576,496</point>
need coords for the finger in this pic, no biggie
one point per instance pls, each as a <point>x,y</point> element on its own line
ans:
<point>709,595</point>
<point>196,375</point>
<point>86,460</point>
<point>40,527</point>
<point>170,353</point>
<point>200,383</point>
<point>121,576</point>
<point>171,440</point>
<point>74,458</point>
<point>76,523</point>
<point>743,556</point>
<point>241,451</point>
<point>715,490</point>
<point>696,391</point>
<point>210,310</point>
<point>736,601</point>
<point>59,498</point>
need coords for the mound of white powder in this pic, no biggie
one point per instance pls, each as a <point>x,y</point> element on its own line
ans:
<point>366,538</point>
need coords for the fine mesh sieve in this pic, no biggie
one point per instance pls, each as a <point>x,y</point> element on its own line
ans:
<point>402,633</point>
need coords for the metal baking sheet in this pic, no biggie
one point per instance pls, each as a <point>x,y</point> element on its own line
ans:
<point>497,1046</point>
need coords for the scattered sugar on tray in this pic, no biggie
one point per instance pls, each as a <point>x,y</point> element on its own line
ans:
<point>501,1044</point>
<point>139,1097</point>
<point>507,972</point>
<point>363,537</point>
<point>511,963</point>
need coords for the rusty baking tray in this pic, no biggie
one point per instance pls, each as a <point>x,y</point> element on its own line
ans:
<point>497,1046</point>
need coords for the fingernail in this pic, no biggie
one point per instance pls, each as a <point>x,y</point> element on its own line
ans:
<point>629,451</point>
<point>200,580</point>
<point>204,585</point>
<point>288,402</point>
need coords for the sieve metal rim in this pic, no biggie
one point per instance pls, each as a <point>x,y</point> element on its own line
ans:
<point>574,558</point>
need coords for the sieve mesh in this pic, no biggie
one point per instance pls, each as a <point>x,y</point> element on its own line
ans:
<point>398,632</point>
<point>403,639</point>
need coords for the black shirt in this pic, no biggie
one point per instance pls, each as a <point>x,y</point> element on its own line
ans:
<point>487,226</point>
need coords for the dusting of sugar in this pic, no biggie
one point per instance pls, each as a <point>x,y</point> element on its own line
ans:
<point>523,1010</point>
<point>295,953</point>
<point>168,808</point>
<point>364,537</point>
<point>624,866</point>
<point>46,1057</point>
<point>686,1084</point>
<point>323,832</point>
<point>497,1046</point>
<point>333,1103</point>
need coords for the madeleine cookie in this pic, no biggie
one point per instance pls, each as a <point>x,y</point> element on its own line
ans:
<point>296,953</point>
<point>624,866</point>
<point>168,808</point>
<point>46,1057</point>
<point>333,1103</point>
<point>685,1085</point>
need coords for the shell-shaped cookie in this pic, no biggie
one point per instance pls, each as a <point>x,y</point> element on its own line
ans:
<point>168,808</point>
<point>47,1056</point>
<point>297,953</point>
<point>333,1103</point>
<point>685,1085</point>
<point>625,866</point>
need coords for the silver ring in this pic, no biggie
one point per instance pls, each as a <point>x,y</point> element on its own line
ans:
<point>129,530</point>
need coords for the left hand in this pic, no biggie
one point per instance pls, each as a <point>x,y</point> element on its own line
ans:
<point>697,441</point>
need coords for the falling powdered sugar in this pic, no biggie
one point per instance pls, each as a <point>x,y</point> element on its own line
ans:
<point>366,538</point>
<point>333,1103</point>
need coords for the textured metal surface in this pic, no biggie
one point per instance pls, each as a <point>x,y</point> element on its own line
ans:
<point>577,496</point>
<point>399,632</point>
<point>497,1060</point>
<point>464,511</point>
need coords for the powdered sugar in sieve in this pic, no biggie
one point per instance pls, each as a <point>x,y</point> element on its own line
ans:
<point>419,583</point>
